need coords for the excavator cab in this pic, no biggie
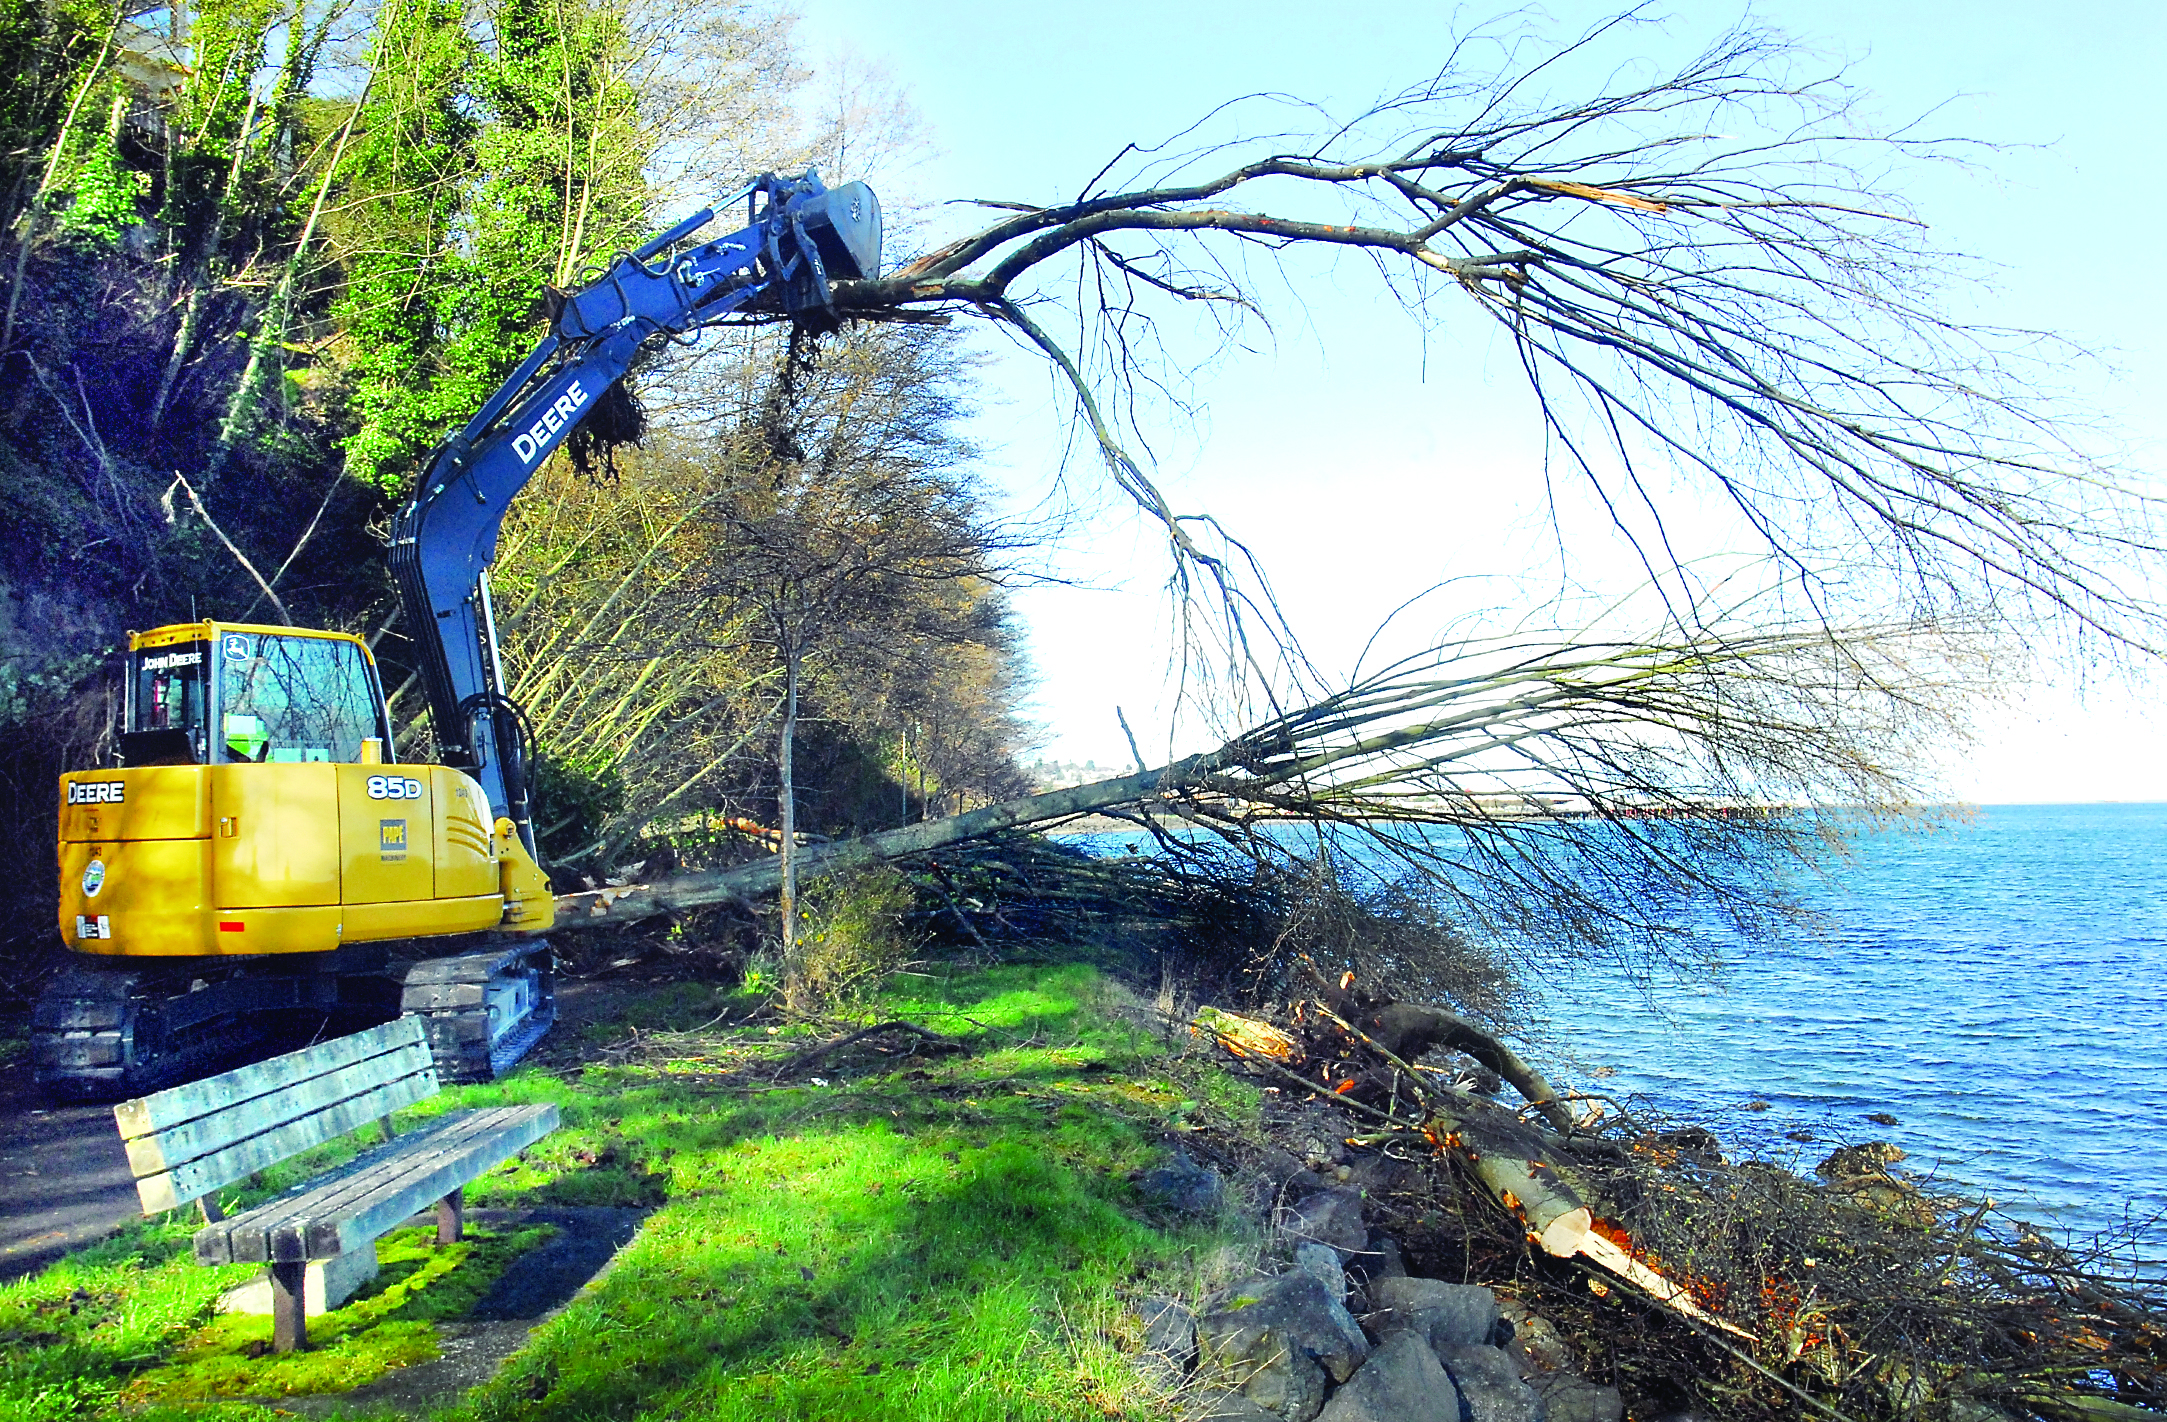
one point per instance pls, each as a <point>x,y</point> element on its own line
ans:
<point>258,810</point>
<point>274,696</point>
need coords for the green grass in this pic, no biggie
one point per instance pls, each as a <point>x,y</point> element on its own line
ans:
<point>949,1237</point>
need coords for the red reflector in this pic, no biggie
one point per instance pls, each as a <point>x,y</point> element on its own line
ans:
<point>231,927</point>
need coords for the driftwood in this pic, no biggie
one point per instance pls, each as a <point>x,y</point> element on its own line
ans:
<point>1406,1030</point>
<point>1332,1052</point>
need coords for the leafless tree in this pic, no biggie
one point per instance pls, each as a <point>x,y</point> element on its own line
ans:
<point>1711,273</point>
<point>842,506</point>
<point>1717,291</point>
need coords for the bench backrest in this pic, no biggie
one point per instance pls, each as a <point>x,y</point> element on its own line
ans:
<point>185,1142</point>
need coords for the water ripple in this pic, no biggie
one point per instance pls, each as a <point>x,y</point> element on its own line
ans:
<point>1999,989</point>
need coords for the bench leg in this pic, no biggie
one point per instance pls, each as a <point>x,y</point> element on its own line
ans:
<point>451,1216</point>
<point>289,1307</point>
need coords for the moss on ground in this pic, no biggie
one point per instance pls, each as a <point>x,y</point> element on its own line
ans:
<point>390,1323</point>
<point>950,1236</point>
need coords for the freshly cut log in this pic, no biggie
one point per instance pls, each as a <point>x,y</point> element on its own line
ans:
<point>1513,1161</point>
<point>1246,1036</point>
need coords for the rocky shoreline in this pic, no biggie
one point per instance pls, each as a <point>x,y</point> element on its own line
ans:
<point>1345,1334</point>
<point>1401,1282</point>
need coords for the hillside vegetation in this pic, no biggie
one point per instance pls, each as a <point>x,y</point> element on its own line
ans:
<point>258,258</point>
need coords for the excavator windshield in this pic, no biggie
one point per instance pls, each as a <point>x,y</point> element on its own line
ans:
<point>273,698</point>
<point>294,699</point>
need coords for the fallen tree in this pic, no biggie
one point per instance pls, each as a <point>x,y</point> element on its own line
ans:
<point>1715,303</point>
<point>1567,796</point>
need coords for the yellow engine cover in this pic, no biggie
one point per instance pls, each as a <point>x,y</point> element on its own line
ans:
<point>188,860</point>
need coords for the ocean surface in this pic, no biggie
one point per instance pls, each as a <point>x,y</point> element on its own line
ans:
<point>1999,987</point>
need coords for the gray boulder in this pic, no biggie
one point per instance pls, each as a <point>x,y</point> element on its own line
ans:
<point>1401,1382</point>
<point>1322,1261</point>
<point>1447,1315</point>
<point>1227,1407</point>
<point>1181,1184</point>
<point>1332,1217</point>
<point>1567,1397</point>
<point>1169,1341</point>
<point>1295,1305</point>
<point>1381,1260</point>
<point>1489,1385</point>
<point>1262,1364</point>
<point>1535,1345</point>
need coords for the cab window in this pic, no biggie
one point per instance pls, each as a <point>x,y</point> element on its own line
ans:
<point>166,705</point>
<point>287,699</point>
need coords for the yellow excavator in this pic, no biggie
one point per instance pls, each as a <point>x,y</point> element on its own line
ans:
<point>260,862</point>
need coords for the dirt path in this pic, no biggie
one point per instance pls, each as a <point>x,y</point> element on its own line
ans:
<point>64,1178</point>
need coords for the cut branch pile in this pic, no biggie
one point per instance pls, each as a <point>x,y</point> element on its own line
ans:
<point>1859,1296</point>
<point>1513,1159</point>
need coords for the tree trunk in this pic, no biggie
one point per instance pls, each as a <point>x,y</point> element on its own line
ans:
<point>787,861</point>
<point>601,907</point>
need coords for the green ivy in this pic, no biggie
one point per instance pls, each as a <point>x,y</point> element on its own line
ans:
<point>406,172</point>
<point>462,168</point>
<point>104,193</point>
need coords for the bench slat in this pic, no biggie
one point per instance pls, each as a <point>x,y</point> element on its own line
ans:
<point>177,1145</point>
<point>337,1194</point>
<point>225,1242</point>
<point>378,1190</point>
<point>265,1147</point>
<point>481,1152</point>
<point>177,1105</point>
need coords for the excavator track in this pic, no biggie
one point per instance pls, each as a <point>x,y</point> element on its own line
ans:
<point>107,1031</point>
<point>484,1010</point>
<point>103,1033</point>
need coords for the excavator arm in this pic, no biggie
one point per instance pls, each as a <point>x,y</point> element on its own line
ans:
<point>799,236</point>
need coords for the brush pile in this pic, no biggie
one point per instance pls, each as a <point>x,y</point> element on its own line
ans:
<point>1698,1286</point>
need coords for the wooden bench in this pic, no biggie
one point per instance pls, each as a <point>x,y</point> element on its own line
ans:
<point>318,1240</point>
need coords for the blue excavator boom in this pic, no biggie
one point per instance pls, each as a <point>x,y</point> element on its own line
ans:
<point>799,236</point>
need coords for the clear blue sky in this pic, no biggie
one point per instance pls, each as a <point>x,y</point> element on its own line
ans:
<point>1359,482</point>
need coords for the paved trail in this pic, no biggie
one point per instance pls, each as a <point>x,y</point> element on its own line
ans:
<point>63,1176</point>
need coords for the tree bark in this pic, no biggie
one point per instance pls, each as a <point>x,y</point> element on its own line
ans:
<point>787,861</point>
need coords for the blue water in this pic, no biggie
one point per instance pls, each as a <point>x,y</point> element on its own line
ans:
<point>2000,988</point>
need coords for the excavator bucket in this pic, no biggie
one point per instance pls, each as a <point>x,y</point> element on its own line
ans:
<point>844,224</point>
